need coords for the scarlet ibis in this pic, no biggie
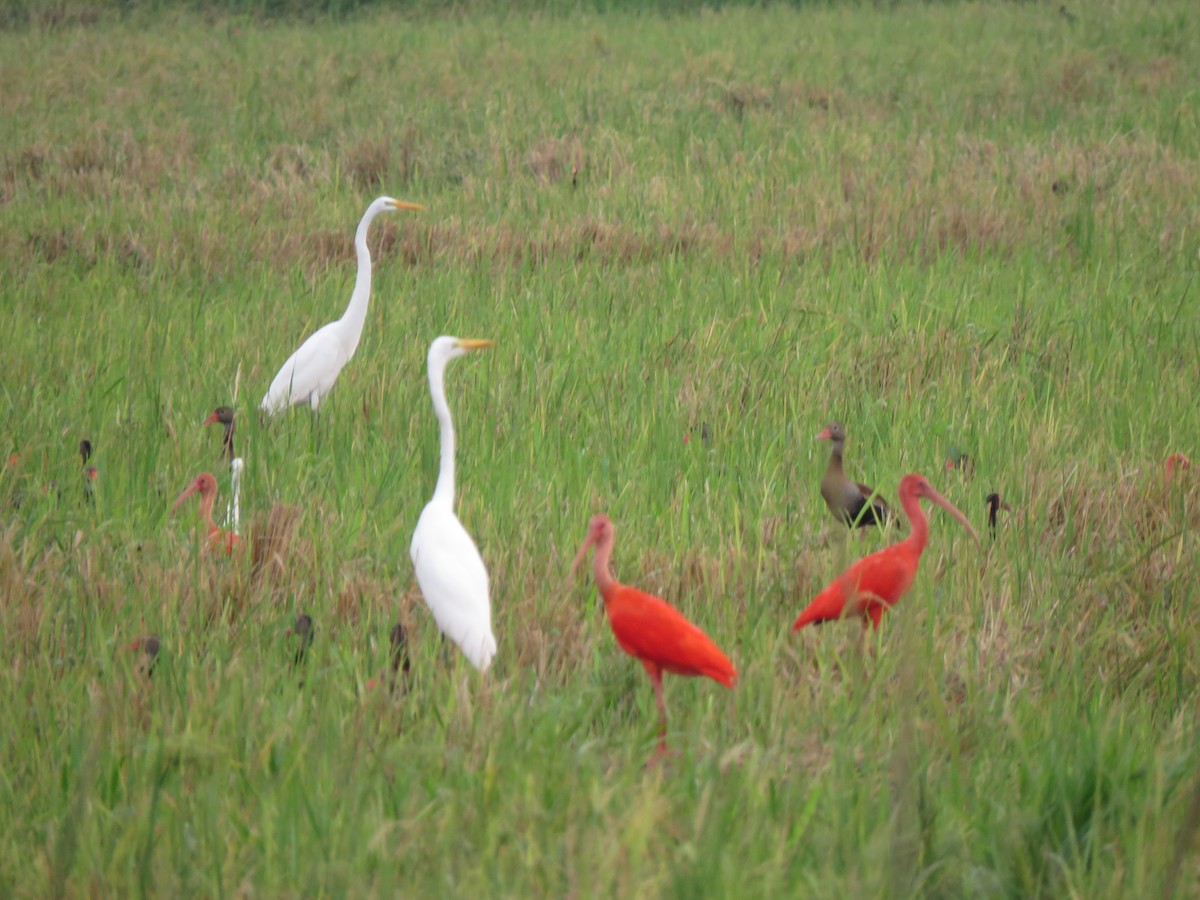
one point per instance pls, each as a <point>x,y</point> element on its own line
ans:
<point>648,628</point>
<point>851,502</point>
<point>309,373</point>
<point>960,462</point>
<point>878,581</point>
<point>1176,462</point>
<point>450,571</point>
<point>206,486</point>
<point>994,505</point>
<point>149,647</point>
<point>302,630</point>
<point>223,415</point>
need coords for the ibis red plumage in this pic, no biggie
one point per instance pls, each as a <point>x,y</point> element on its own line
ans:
<point>648,628</point>
<point>1176,462</point>
<point>206,486</point>
<point>878,581</point>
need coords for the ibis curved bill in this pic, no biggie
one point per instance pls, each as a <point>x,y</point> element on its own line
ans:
<point>309,373</point>
<point>450,571</point>
<point>878,581</point>
<point>648,628</point>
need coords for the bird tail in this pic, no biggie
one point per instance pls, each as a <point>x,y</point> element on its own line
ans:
<point>720,669</point>
<point>480,649</point>
<point>825,607</point>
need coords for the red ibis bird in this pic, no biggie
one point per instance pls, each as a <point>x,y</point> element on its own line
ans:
<point>223,415</point>
<point>878,581</point>
<point>851,502</point>
<point>450,571</point>
<point>648,628</point>
<point>310,373</point>
<point>1176,462</point>
<point>206,486</point>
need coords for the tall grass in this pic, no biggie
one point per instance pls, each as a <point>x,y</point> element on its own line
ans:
<point>966,225</point>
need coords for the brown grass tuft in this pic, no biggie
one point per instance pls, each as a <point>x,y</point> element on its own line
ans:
<point>369,163</point>
<point>1078,77</point>
<point>272,542</point>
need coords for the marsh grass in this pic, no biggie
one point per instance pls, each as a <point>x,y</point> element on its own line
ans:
<point>957,225</point>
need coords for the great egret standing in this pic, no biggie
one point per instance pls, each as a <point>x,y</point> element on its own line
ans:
<point>310,372</point>
<point>450,571</point>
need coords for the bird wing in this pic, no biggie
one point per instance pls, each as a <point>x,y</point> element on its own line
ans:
<point>868,492</point>
<point>313,368</point>
<point>454,583</point>
<point>861,512</point>
<point>651,629</point>
<point>883,576</point>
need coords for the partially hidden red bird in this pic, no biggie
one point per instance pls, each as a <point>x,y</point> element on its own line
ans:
<point>1176,462</point>
<point>206,486</point>
<point>650,629</point>
<point>878,581</point>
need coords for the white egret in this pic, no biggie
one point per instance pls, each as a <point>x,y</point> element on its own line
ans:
<point>450,571</point>
<point>310,372</point>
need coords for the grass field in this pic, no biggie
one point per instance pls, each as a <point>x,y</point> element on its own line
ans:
<point>953,225</point>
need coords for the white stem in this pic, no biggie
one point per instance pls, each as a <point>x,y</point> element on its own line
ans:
<point>233,512</point>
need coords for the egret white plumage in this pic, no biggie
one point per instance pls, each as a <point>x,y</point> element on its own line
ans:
<point>450,571</point>
<point>310,372</point>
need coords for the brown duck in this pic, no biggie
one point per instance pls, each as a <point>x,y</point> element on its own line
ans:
<point>851,502</point>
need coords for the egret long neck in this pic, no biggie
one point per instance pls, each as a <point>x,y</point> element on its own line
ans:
<point>444,492</point>
<point>600,571</point>
<point>356,312</point>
